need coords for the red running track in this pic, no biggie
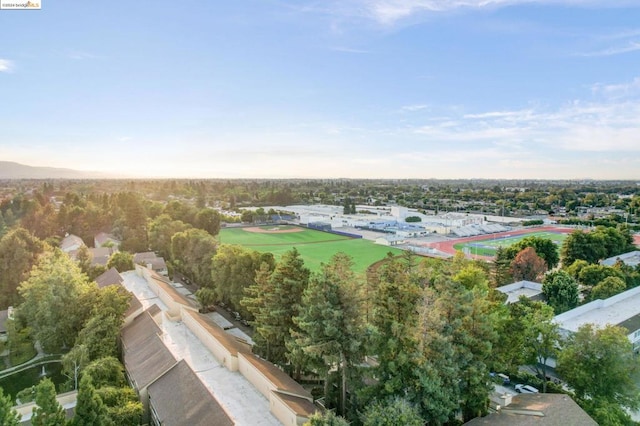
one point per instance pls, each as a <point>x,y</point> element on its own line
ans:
<point>447,246</point>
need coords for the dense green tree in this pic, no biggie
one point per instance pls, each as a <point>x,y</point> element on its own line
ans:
<point>502,268</point>
<point>161,230</point>
<point>48,411</point>
<point>8,416</point>
<point>580,245</point>
<point>40,220</point>
<point>541,338</point>
<point>544,248</point>
<point>396,294</point>
<point>601,243</point>
<point>328,418</point>
<point>459,345</point>
<point>258,296</point>
<point>561,291</point>
<point>58,299</point>
<point>330,322</point>
<point>527,265</point>
<point>209,220</point>
<point>123,405</point>
<point>608,287</point>
<point>206,297</point>
<point>191,252</point>
<point>122,261</point>
<point>274,302</point>
<point>90,410</point>
<point>106,371</point>
<point>233,270</point>
<point>599,364</point>
<point>591,275</point>
<point>393,412</point>
<point>576,268</point>
<point>607,413</point>
<point>19,251</point>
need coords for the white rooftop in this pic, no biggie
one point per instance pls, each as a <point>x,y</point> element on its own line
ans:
<point>241,400</point>
<point>513,291</point>
<point>632,259</point>
<point>613,311</point>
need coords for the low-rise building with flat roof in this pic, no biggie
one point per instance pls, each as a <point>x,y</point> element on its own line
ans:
<point>529,289</point>
<point>630,259</point>
<point>622,310</point>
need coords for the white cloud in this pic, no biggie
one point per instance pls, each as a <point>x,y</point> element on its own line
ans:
<point>388,12</point>
<point>6,65</point>
<point>344,49</point>
<point>631,88</point>
<point>411,108</point>
<point>610,125</point>
<point>632,46</point>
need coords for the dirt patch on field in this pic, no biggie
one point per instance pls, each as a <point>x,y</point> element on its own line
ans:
<point>274,230</point>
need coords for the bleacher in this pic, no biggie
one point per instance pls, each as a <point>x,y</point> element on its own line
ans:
<point>473,230</point>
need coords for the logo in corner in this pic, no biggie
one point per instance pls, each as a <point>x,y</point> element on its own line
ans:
<point>20,5</point>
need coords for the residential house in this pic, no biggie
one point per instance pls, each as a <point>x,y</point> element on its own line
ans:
<point>71,243</point>
<point>109,277</point>
<point>100,256</point>
<point>103,239</point>
<point>537,409</point>
<point>152,261</point>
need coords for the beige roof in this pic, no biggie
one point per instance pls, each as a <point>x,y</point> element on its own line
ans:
<point>102,238</point>
<point>277,377</point>
<point>178,397</point>
<point>100,256</point>
<point>226,340</point>
<point>134,305</point>
<point>175,294</point>
<point>109,277</point>
<point>538,409</point>
<point>71,241</point>
<point>301,406</point>
<point>145,355</point>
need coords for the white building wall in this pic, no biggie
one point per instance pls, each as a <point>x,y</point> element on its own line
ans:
<point>254,376</point>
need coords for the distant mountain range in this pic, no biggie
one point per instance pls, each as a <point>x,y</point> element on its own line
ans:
<point>11,170</point>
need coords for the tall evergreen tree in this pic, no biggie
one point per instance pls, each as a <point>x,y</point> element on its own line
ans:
<point>48,412</point>
<point>330,322</point>
<point>90,410</point>
<point>274,302</point>
<point>8,416</point>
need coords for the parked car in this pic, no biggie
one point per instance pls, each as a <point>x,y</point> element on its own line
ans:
<point>526,389</point>
<point>505,378</point>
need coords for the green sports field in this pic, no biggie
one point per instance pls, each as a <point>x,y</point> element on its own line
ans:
<point>489,245</point>
<point>315,247</point>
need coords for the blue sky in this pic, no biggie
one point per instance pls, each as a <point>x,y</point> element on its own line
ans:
<point>349,88</point>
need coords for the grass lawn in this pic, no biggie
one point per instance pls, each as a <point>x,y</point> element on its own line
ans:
<point>488,246</point>
<point>315,247</point>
